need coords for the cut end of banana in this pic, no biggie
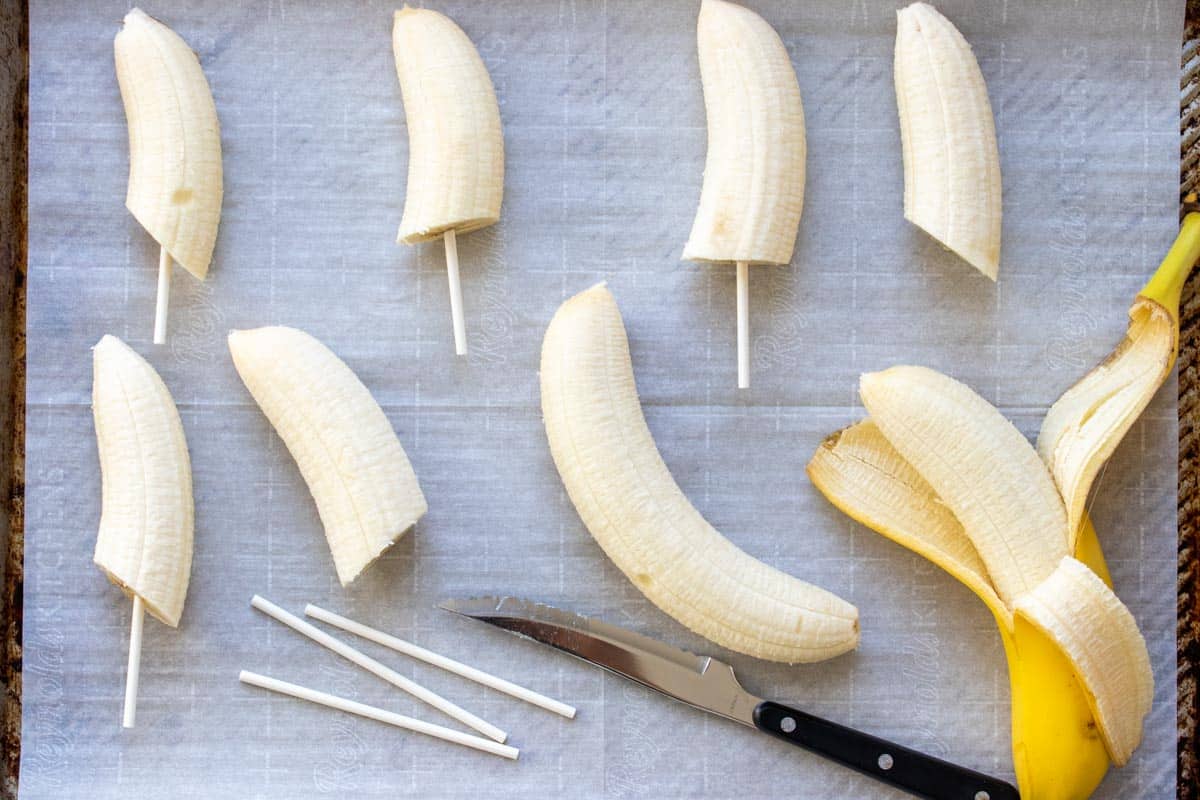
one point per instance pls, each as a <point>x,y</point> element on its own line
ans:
<point>144,544</point>
<point>1102,641</point>
<point>360,477</point>
<point>948,137</point>
<point>753,190</point>
<point>456,146</point>
<point>175,176</point>
<point>632,506</point>
<point>1085,425</point>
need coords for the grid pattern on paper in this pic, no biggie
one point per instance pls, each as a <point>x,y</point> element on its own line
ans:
<point>604,129</point>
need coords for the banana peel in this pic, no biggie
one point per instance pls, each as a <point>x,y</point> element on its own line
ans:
<point>1058,752</point>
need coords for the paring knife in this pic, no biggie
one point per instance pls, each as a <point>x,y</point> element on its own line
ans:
<point>710,685</point>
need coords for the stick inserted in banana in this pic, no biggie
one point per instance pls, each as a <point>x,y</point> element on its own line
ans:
<point>753,189</point>
<point>636,512</point>
<point>455,144</point>
<point>175,179</point>
<point>145,540</point>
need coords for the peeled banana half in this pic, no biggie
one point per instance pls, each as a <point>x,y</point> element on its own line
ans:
<point>753,189</point>
<point>948,136</point>
<point>455,144</point>
<point>144,544</point>
<point>175,178</point>
<point>629,502</point>
<point>360,477</point>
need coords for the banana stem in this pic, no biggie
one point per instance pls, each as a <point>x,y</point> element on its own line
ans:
<point>164,296</point>
<point>1166,285</point>
<point>743,324</point>
<point>135,662</point>
<point>456,304</point>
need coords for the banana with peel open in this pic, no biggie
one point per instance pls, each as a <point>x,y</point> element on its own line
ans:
<point>938,470</point>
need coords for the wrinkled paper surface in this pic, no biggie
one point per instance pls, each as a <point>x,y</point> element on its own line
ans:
<point>604,130</point>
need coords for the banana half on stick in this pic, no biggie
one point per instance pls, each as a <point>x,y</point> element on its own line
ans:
<point>144,544</point>
<point>636,512</point>
<point>175,179</point>
<point>753,190</point>
<point>951,161</point>
<point>360,477</point>
<point>455,143</point>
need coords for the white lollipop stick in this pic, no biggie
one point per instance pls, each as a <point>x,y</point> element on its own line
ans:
<point>448,664</point>
<point>371,665</point>
<point>135,662</point>
<point>456,303</point>
<point>371,712</point>
<point>743,324</point>
<point>164,296</point>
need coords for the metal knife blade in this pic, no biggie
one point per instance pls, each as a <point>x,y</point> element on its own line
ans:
<point>700,681</point>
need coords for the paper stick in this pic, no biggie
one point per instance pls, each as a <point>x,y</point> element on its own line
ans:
<point>135,662</point>
<point>743,324</point>
<point>164,296</point>
<point>371,712</point>
<point>456,303</point>
<point>448,664</point>
<point>371,665</point>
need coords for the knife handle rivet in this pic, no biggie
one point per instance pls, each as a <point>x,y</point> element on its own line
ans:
<point>787,724</point>
<point>885,762</point>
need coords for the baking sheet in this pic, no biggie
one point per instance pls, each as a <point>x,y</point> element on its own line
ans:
<point>603,118</point>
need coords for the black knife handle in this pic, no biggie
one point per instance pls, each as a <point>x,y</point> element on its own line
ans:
<point>922,775</point>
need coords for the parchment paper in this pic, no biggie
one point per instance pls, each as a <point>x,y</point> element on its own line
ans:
<point>603,121</point>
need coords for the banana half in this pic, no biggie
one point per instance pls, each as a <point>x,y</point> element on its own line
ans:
<point>628,500</point>
<point>145,540</point>
<point>456,147</point>
<point>359,475</point>
<point>753,189</point>
<point>951,161</point>
<point>175,179</point>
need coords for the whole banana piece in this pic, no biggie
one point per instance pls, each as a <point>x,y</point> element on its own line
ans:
<point>638,515</point>
<point>951,161</point>
<point>359,475</point>
<point>175,179</point>
<point>753,190</point>
<point>455,143</point>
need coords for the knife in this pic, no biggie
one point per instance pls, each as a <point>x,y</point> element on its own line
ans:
<point>710,685</point>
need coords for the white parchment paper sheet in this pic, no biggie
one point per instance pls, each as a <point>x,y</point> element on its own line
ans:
<point>604,130</point>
